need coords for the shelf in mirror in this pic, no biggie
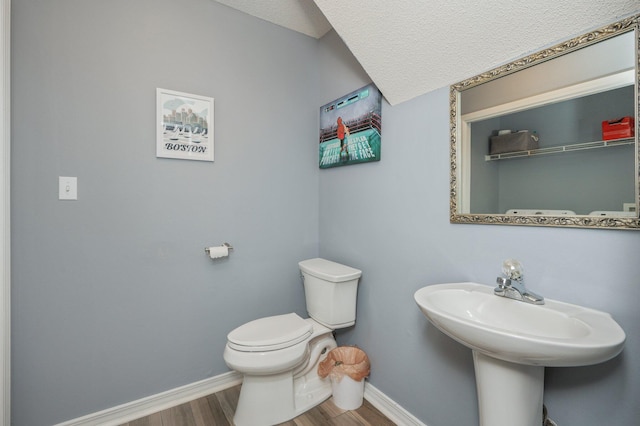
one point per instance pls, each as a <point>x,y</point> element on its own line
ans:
<point>560,149</point>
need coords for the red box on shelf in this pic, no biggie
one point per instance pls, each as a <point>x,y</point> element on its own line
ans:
<point>618,129</point>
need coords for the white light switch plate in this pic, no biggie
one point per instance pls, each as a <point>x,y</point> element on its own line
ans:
<point>67,188</point>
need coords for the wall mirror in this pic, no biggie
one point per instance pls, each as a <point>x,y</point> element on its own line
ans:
<point>551,139</point>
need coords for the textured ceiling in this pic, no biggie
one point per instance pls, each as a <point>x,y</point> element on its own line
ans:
<point>411,47</point>
<point>302,16</point>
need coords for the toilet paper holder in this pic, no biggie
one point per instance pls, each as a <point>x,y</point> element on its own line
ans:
<point>227,245</point>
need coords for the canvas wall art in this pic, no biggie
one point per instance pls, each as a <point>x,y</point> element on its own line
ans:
<point>351,129</point>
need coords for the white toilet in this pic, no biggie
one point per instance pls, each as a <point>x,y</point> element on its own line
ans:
<point>279,355</point>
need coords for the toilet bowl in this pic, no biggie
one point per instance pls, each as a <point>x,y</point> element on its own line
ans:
<point>279,355</point>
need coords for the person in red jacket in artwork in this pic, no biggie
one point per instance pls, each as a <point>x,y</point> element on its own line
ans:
<point>343,132</point>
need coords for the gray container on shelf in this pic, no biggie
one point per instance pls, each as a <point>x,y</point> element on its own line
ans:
<point>518,141</point>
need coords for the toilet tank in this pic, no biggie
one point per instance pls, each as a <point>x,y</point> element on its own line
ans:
<point>330,290</point>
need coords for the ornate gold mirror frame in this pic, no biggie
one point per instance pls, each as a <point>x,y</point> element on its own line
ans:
<point>581,221</point>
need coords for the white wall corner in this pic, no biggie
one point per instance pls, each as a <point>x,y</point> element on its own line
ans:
<point>5,247</point>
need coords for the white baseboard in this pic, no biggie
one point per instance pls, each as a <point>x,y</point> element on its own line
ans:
<point>389,408</point>
<point>152,404</point>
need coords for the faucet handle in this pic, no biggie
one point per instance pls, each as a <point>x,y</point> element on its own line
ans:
<point>503,282</point>
<point>513,269</point>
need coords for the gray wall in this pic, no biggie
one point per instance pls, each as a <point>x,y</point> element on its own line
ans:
<point>113,296</point>
<point>392,221</point>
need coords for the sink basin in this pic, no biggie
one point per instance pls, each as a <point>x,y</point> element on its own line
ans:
<point>513,341</point>
<point>555,334</point>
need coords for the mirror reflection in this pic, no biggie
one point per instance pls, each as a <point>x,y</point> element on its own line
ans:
<point>550,139</point>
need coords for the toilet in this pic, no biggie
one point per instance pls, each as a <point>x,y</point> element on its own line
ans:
<point>279,355</point>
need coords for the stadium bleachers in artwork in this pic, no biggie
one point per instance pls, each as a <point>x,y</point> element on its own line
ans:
<point>371,120</point>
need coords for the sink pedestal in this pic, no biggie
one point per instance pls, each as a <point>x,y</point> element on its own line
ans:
<point>508,394</point>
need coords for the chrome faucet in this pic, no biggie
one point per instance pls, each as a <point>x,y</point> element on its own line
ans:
<point>511,285</point>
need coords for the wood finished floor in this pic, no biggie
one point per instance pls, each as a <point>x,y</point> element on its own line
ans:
<point>218,410</point>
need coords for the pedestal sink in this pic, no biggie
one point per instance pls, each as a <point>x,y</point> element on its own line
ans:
<point>513,341</point>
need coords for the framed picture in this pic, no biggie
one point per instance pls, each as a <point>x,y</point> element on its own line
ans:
<point>184,126</point>
<point>351,129</point>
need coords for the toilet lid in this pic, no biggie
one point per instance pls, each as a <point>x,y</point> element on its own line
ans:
<point>270,333</point>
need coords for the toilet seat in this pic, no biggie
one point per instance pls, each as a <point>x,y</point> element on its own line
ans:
<point>270,333</point>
